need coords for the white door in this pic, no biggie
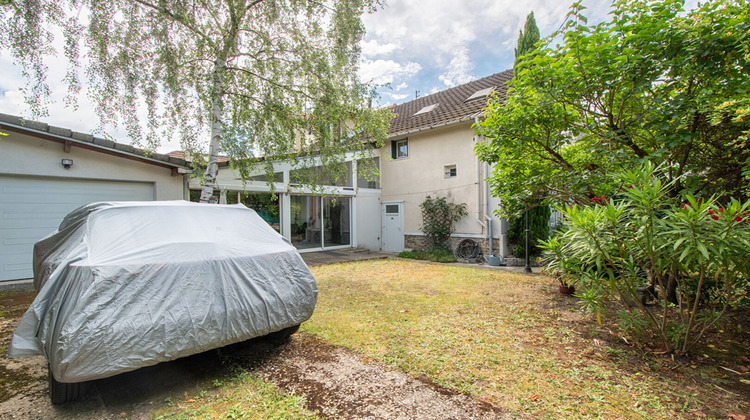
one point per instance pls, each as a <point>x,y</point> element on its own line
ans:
<point>33,207</point>
<point>393,227</point>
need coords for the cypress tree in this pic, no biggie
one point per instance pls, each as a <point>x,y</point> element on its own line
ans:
<point>526,39</point>
<point>538,216</point>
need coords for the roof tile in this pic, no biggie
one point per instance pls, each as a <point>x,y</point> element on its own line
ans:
<point>453,105</point>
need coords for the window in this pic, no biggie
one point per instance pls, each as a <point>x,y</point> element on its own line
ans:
<point>425,110</point>
<point>399,149</point>
<point>480,94</point>
<point>368,173</point>
<point>449,171</point>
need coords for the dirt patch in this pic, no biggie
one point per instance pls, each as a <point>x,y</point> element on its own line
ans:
<point>339,384</point>
<point>335,381</point>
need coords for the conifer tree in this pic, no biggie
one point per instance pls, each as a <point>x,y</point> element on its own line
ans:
<point>526,39</point>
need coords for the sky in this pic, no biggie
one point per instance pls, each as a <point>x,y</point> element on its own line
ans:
<point>426,46</point>
<point>411,47</point>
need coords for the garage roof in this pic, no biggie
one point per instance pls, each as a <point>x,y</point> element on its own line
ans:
<point>70,138</point>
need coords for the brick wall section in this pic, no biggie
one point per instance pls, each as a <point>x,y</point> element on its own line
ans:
<point>418,242</point>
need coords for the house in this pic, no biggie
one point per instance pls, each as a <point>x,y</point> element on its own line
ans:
<point>47,171</point>
<point>338,216</point>
<point>430,151</point>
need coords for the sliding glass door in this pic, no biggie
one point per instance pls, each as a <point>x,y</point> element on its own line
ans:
<point>320,222</point>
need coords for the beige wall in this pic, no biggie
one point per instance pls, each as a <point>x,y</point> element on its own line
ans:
<point>26,155</point>
<point>421,174</point>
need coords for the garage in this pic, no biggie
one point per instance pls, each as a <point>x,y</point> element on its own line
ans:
<point>47,171</point>
<point>32,207</point>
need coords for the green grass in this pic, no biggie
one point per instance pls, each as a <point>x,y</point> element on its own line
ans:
<point>441,255</point>
<point>242,397</point>
<point>505,338</point>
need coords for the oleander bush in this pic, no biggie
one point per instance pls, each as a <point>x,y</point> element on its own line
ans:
<point>676,264</point>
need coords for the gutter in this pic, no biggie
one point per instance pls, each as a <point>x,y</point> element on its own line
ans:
<point>68,138</point>
<point>474,117</point>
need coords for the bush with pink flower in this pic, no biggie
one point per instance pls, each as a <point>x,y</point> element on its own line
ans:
<point>676,265</point>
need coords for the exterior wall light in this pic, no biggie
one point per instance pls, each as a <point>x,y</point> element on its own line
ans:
<point>67,163</point>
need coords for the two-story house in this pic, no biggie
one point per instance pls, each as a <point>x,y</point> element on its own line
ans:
<point>431,152</point>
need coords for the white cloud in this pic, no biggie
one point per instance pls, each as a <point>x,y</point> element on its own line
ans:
<point>455,42</point>
<point>381,72</point>
<point>402,86</point>
<point>458,70</point>
<point>374,48</point>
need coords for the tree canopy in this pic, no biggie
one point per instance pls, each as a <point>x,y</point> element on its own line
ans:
<point>259,78</point>
<point>526,38</point>
<point>654,82</point>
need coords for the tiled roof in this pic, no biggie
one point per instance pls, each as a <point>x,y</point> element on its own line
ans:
<point>452,105</point>
<point>88,141</point>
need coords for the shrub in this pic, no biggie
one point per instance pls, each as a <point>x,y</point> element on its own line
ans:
<point>689,256</point>
<point>438,217</point>
<point>538,231</point>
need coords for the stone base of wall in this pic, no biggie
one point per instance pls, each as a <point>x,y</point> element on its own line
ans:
<point>415,242</point>
<point>419,242</point>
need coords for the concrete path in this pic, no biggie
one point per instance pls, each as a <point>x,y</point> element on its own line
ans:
<point>347,255</point>
<point>342,255</point>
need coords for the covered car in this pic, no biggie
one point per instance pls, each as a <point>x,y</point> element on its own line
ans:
<point>123,285</point>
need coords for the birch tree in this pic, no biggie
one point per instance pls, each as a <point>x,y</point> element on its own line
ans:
<point>259,78</point>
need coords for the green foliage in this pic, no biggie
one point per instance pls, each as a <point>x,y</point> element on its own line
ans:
<point>438,217</point>
<point>538,230</point>
<point>526,39</point>
<point>253,79</point>
<point>652,82</point>
<point>690,256</point>
<point>436,254</point>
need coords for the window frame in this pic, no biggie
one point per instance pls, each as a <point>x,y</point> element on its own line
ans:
<point>395,149</point>
<point>450,171</point>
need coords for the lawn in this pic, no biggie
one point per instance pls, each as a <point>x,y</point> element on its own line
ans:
<point>508,339</point>
<point>512,340</point>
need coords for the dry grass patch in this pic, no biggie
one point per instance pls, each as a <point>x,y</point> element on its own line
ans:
<point>243,397</point>
<point>506,338</point>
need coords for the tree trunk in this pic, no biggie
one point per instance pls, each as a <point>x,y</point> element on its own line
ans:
<point>217,106</point>
<point>212,169</point>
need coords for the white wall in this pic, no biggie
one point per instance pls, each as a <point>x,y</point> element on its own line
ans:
<point>421,174</point>
<point>368,223</point>
<point>27,155</point>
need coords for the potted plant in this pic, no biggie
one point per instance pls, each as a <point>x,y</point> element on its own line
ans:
<point>567,286</point>
<point>556,264</point>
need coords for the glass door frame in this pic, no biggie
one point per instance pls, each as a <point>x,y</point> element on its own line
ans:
<point>321,215</point>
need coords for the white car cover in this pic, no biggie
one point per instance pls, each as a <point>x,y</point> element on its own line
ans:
<point>124,285</point>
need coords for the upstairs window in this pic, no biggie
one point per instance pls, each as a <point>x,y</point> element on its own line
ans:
<point>480,94</point>
<point>449,171</point>
<point>425,110</point>
<point>400,149</point>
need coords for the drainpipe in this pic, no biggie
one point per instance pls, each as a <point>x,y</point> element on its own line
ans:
<point>480,213</point>
<point>479,192</point>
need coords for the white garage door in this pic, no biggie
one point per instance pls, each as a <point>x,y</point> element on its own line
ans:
<point>32,207</point>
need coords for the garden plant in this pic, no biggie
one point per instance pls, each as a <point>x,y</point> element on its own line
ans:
<point>438,218</point>
<point>677,264</point>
